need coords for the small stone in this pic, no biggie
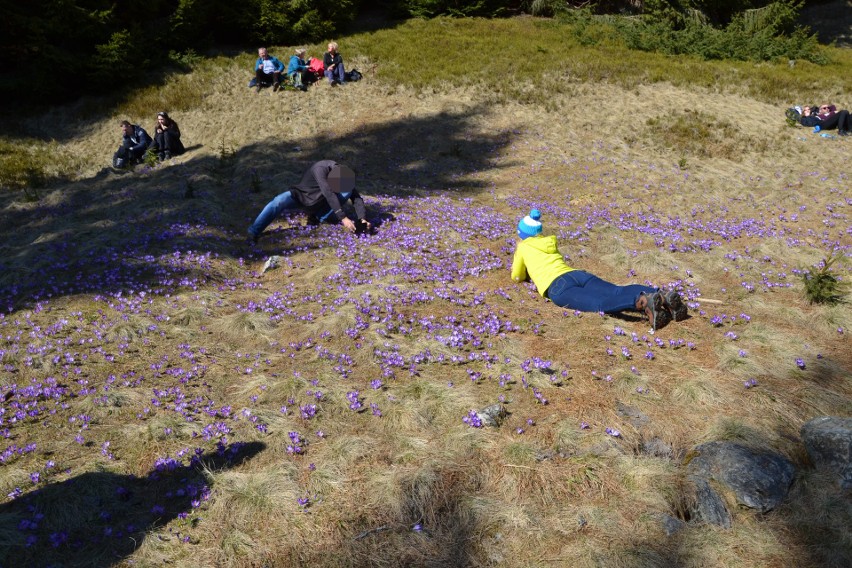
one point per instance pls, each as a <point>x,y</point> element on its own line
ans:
<point>271,263</point>
<point>492,415</point>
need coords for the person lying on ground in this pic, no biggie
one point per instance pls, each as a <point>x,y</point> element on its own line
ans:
<point>166,141</point>
<point>298,71</point>
<point>333,64</point>
<point>267,70</point>
<point>321,193</point>
<point>134,144</point>
<point>537,258</point>
<point>825,116</point>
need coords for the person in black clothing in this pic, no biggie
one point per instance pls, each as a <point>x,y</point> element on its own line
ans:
<point>324,188</point>
<point>333,64</point>
<point>134,144</point>
<point>166,141</point>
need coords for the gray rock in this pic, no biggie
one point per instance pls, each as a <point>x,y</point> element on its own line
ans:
<point>271,263</point>
<point>709,506</point>
<point>492,415</point>
<point>758,479</point>
<point>828,440</point>
<point>632,414</point>
<point>671,524</point>
<point>657,448</point>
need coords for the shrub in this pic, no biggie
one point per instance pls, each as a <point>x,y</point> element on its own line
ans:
<point>821,285</point>
<point>752,35</point>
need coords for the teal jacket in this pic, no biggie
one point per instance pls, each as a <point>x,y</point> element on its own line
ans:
<point>278,65</point>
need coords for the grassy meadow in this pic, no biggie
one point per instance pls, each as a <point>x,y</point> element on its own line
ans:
<point>166,402</point>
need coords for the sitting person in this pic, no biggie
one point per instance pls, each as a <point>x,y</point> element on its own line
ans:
<point>134,144</point>
<point>537,258</point>
<point>298,71</point>
<point>166,141</point>
<point>267,70</point>
<point>333,63</point>
<point>325,186</point>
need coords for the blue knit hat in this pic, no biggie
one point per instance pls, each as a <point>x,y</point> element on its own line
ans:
<point>530,225</point>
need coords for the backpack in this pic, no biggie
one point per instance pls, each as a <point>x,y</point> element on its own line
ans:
<point>353,75</point>
<point>315,66</point>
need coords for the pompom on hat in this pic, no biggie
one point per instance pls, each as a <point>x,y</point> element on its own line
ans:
<point>530,225</point>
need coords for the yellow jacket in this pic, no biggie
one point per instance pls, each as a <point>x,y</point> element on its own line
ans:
<point>539,259</point>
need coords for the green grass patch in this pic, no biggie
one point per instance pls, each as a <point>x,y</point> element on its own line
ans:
<point>29,165</point>
<point>529,59</point>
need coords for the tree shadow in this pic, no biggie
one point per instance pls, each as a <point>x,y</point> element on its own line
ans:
<point>138,230</point>
<point>433,526</point>
<point>98,518</point>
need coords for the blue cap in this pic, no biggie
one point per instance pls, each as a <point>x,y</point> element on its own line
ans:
<point>530,225</point>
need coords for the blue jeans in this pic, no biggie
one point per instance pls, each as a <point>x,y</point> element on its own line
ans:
<point>285,202</point>
<point>337,74</point>
<point>586,292</point>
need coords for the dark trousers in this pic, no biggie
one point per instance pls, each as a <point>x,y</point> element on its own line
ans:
<point>830,122</point>
<point>580,290</point>
<point>167,141</point>
<point>844,121</point>
<point>267,78</point>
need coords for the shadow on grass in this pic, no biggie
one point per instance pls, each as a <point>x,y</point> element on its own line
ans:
<point>98,518</point>
<point>432,525</point>
<point>137,230</point>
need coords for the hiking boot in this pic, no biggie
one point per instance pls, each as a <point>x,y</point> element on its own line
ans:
<point>843,133</point>
<point>167,155</point>
<point>303,88</point>
<point>675,305</point>
<point>161,156</point>
<point>655,311</point>
<point>257,88</point>
<point>275,87</point>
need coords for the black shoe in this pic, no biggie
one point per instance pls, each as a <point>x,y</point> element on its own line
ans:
<point>303,88</point>
<point>843,133</point>
<point>257,88</point>
<point>656,312</point>
<point>161,156</point>
<point>275,87</point>
<point>675,305</point>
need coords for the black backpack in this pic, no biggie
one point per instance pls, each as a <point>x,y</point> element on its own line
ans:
<point>353,75</point>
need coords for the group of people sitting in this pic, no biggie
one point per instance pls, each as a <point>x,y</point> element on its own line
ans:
<point>300,72</point>
<point>136,142</point>
<point>825,116</point>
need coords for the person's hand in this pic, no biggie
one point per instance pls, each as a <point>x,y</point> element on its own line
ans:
<point>349,224</point>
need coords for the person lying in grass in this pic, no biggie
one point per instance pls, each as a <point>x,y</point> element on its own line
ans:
<point>826,116</point>
<point>324,188</point>
<point>537,258</point>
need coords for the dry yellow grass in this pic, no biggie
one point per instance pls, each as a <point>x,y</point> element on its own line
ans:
<point>555,495</point>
